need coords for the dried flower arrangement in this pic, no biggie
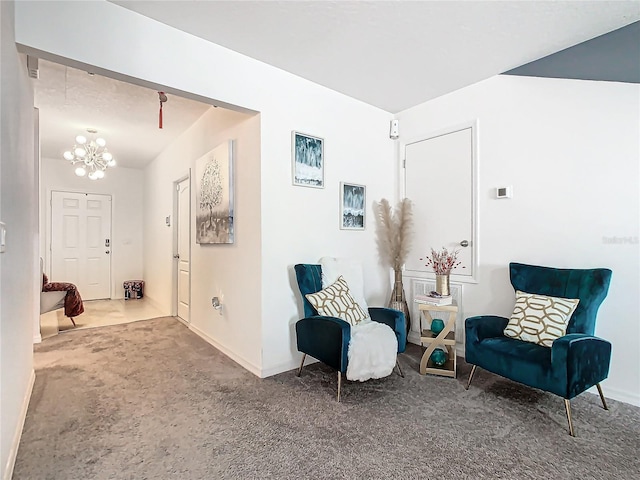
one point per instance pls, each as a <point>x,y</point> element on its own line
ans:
<point>395,232</point>
<point>443,261</point>
<point>394,241</point>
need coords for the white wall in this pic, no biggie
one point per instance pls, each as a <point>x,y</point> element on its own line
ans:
<point>297,224</point>
<point>231,272</point>
<point>18,264</point>
<point>570,149</point>
<point>125,185</point>
<point>585,133</point>
<point>300,225</point>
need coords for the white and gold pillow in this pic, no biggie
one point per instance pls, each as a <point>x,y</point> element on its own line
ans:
<point>336,301</point>
<point>540,319</point>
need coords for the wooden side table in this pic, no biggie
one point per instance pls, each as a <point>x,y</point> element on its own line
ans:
<point>446,338</point>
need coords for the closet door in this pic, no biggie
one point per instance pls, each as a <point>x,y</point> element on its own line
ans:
<point>440,181</point>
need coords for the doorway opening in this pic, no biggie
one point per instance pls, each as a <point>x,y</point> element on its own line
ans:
<point>182,248</point>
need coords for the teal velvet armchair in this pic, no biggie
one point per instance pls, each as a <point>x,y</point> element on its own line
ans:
<point>574,363</point>
<point>327,338</point>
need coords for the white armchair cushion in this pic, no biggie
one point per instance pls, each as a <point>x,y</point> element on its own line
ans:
<point>351,271</point>
<point>51,301</point>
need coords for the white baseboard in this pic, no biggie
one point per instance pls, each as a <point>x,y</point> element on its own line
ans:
<point>286,366</point>
<point>619,395</point>
<point>182,321</point>
<point>413,337</point>
<point>37,338</point>
<point>17,435</point>
<point>233,356</point>
<point>155,304</point>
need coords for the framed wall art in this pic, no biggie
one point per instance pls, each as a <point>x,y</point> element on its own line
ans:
<point>214,196</point>
<point>307,160</point>
<point>352,206</point>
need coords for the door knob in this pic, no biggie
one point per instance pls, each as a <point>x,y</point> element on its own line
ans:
<point>464,243</point>
<point>107,252</point>
<point>177,255</point>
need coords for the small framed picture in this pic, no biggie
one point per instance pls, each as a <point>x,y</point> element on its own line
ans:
<point>352,206</point>
<point>307,160</point>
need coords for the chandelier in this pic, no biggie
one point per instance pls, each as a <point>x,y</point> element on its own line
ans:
<point>91,155</point>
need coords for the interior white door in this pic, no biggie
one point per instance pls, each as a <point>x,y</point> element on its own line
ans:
<point>183,249</point>
<point>81,242</point>
<point>439,182</point>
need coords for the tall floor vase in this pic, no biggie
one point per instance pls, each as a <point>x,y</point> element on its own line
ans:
<point>398,300</point>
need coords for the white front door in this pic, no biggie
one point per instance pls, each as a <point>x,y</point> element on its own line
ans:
<point>183,248</point>
<point>440,182</point>
<point>81,242</point>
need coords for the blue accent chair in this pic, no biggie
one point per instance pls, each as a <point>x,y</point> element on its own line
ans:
<point>327,338</point>
<point>574,363</point>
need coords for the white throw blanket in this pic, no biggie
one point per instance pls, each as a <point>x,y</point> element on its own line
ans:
<point>372,351</point>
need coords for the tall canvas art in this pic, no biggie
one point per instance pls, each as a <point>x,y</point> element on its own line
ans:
<point>214,195</point>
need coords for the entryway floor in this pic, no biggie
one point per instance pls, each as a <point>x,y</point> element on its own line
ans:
<point>98,313</point>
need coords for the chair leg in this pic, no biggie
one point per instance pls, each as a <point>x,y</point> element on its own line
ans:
<point>604,402</point>
<point>399,369</point>
<point>473,370</point>
<point>301,364</point>
<point>567,407</point>
<point>339,383</point>
<point>72,321</point>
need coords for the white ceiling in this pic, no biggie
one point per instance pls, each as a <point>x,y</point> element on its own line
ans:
<point>126,115</point>
<point>391,54</point>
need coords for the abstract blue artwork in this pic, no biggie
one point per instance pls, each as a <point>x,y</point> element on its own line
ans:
<point>308,160</point>
<point>352,206</point>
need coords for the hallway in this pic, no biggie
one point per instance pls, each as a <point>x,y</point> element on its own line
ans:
<point>98,313</point>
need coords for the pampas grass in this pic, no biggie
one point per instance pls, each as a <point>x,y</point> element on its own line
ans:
<point>395,232</point>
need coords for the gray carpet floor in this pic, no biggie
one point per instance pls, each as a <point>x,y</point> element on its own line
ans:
<point>151,400</point>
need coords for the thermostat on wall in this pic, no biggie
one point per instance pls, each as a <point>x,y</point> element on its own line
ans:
<point>504,192</point>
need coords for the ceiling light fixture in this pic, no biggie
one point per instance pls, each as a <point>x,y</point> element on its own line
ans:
<point>91,154</point>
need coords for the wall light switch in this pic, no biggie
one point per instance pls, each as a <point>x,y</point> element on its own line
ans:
<point>3,237</point>
<point>504,192</point>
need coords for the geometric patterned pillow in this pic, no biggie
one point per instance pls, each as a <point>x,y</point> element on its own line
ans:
<point>336,301</point>
<point>540,319</point>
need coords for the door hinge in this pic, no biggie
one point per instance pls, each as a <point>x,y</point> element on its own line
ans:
<point>404,163</point>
